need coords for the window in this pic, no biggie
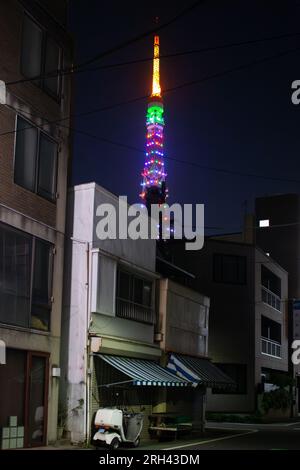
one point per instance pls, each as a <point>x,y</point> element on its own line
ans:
<point>229,269</point>
<point>40,56</point>
<point>271,288</point>
<point>41,286</point>
<point>270,337</point>
<point>238,373</point>
<point>270,281</point>
<point>32,46</point>
<point>35,160</point>
<point>264,223</point>
<point>270,329</point>
<point>134,297</point>
<point>25,279</point>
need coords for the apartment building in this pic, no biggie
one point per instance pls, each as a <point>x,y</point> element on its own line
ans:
<point>34,154</point>
<point>248,328</point>
<point>277,231</point>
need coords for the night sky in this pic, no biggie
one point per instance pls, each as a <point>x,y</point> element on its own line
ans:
<point>243,121</point>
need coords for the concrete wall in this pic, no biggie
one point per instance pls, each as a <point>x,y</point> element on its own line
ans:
<point>183,319</point>
<point>23,209</point>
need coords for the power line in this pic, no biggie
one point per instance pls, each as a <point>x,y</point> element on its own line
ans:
<point>177,160</point>
<point>195,164</point>
<point>168,90</point>
<point>101,55</point>
<point>162,56</point>
<point>143,35</point>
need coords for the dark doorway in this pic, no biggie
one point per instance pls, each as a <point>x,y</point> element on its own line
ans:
<point>23,413</point>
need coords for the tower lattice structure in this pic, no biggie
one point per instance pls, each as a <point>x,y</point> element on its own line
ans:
<point>154,189</point>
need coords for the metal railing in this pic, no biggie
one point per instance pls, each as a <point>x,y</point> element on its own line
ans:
<point>270,348</point>
<point>133,311</point>
<point>268,297</point>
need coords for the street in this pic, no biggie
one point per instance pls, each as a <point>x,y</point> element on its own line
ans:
<point>247,437</point>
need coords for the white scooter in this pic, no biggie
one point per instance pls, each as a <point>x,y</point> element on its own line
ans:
<point>112,427</point>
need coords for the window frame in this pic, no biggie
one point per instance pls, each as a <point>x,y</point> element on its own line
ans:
<point>136,315</point>
<point>31,261</point>
<point>222,280</point>
<point>272,323</point>
<point>27,399</point>
<point>47,306</point>
<point>133,276</point>
<point>40,82</point>
<point>37,159</point>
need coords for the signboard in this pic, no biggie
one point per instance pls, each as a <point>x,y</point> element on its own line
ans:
<point>2,92</point>
<point>2,352</point>
<point>296,319</point>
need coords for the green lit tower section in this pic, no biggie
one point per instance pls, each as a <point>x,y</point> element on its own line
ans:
<point>154,190</point>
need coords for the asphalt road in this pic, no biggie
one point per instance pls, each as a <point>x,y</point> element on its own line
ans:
<point>248,437</point>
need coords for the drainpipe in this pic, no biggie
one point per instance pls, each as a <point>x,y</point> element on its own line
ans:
<point>87,353</point>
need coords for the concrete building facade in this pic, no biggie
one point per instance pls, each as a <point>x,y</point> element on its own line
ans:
<point>34,155</point>
<point>277,231</point>
<point>248,334</point>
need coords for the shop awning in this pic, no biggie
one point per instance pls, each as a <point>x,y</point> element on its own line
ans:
<point>144,372</point>
<point>198,371</point>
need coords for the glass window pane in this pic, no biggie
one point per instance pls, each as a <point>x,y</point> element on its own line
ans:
<point>15,271</point>
<point>52,64</point>
<point>124,286</point>
<point>147,294</point>
<point>41,289</point>
<point>47,167</point>
<point>25,154</point>
<point>138,291</point>
<point>37,400</point>
<point>31,58</point>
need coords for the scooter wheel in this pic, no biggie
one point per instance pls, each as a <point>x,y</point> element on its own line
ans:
<point>115,444</point>
<point>136,442</point>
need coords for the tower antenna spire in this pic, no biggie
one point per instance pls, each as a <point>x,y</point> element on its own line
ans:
<point>156,89</point>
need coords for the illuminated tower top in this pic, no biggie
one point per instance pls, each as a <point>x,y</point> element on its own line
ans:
<point>156,90</point>
<point>153,184</point>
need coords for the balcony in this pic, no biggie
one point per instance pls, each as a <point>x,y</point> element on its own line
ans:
<point>134,311</point>
<point>270,348</point>
<point>268,297</point>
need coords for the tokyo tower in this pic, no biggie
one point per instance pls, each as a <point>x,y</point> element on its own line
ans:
<point>154,189</point>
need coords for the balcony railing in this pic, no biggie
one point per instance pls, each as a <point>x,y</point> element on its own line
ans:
<point>270,348</point>
<point>134,311</point>
<point>268,297</point>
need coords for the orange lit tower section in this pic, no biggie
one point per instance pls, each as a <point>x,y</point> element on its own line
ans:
<point>153,184</point>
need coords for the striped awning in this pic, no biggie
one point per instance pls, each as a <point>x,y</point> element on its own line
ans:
<point>198,371</point>
<point>143,372</point>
